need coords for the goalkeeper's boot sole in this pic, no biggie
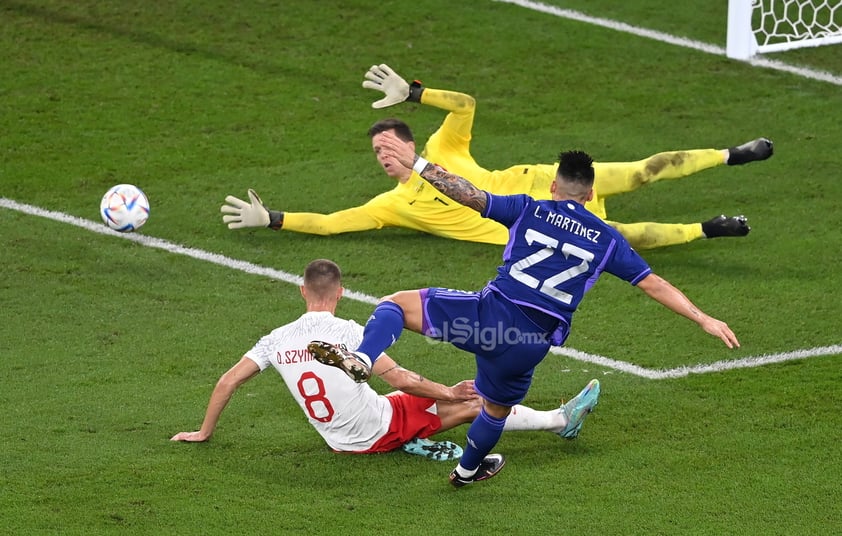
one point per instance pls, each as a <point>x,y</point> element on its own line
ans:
<point>726,226</point>
<point>578,408</point>
<point>752,151</point>
<point>488,467</point>
<point>348,362</point>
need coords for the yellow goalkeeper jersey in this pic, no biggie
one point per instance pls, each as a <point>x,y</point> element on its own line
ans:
<point>449,147</point>
<point>417,205</point>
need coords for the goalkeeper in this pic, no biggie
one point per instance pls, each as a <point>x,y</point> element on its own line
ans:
<point>413,205</point>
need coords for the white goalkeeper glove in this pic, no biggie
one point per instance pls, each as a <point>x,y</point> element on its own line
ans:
<point>240,215</point>
<point>383,78</point>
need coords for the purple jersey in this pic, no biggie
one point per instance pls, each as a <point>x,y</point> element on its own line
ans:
<point>556,252</point>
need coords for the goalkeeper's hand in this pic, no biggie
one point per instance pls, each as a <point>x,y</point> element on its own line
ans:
<point>383,78</point>
<point>240,215</point>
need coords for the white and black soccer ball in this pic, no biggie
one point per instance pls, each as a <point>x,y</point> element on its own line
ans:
<point>124,208</point>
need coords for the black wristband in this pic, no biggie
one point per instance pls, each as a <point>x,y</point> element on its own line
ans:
<point>415,91</point>
<point>276,220</point>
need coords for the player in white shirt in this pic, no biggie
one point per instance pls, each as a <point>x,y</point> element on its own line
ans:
<point>353,417</point>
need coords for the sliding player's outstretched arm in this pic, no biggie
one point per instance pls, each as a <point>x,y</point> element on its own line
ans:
<point>415,384</point>
<point>225,388</point>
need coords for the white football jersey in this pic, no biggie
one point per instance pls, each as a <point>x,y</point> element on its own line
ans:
<point>349,416</point>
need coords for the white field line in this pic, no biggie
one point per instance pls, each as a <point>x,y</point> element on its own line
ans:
<point>718,366</point>
<point>279,275</point>
<point>215,258</point>
<point>804,72</point>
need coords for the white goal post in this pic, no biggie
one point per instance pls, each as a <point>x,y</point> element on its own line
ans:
<point>762,26</point>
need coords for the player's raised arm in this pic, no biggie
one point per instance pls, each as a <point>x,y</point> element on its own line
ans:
<point>670,297</point>
<point>394,88</point>
<point>453,186</point>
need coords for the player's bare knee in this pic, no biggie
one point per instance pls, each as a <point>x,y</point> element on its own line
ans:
<point>496,410</point>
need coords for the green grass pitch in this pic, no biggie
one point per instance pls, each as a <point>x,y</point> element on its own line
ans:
<point>108,347</point>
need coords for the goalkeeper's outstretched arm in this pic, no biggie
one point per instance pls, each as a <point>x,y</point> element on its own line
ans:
<point>396,90</point>
<point>239,214</point>
<point>454,134</point>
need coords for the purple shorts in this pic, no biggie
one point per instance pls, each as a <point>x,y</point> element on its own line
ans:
<point>506,342</point>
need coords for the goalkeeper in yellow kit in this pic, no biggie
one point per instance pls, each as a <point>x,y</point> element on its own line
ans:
<point>413,204</point>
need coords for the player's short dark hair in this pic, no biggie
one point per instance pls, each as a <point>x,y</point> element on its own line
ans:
<point>576,167</point>
<point>322,276</point>
<point>402,130</point>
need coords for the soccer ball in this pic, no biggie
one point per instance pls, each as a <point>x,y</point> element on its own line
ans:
<point>124,208</point>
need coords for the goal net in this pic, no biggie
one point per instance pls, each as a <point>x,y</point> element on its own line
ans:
<point>762,26</point>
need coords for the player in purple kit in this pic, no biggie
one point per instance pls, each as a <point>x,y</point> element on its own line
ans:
<point>556,251</point>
